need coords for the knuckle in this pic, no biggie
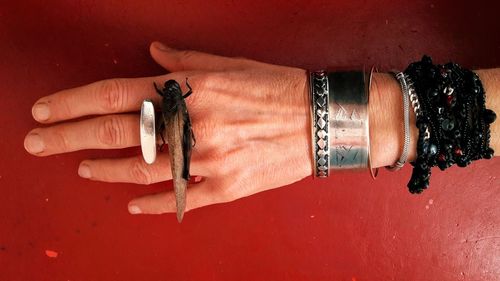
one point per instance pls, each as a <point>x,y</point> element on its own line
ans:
<point>111,132</point>
<point>64,105</point>
<point>182,57</point>
<point>211,80</point>
<point>204,129</point>
<point>228,193</point>
<point>186,54</point>
<point>112,94</point>
<point>140,174</point>
<point>205,87</point>
<point>200,83</point>
<point>63,143</point>
<point>218,163</point>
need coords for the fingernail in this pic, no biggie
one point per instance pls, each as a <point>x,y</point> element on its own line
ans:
<point>84,171</point>
<point>33,143</point>
<point>134,210</point>
<point>41,111</point>
<point>161,47</point>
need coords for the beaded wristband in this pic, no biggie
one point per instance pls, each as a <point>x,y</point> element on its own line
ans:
<point>454,122</point>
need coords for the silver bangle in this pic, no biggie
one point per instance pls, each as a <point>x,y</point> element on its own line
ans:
<point>318,83</point>
<point>349,123</point>
<point>406,111</point>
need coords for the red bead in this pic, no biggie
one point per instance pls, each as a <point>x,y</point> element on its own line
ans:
<point>449,99</point>
<point>458,151</point>
<point>441,158</point>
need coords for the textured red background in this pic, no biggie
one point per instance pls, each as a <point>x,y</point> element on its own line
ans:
<point>346,228</point>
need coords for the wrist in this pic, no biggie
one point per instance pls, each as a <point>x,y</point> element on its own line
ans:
<point>490,79</point>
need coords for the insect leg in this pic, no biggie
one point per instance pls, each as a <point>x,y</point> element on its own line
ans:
<point>187,121</point>
<point>158,90</point>
<point>192,135</point>
<point>161,130</point>
<point>190,89</point>
<point>162,146</point>
<point>186,149</point>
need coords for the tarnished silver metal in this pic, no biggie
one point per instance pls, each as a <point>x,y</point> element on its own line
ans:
<point>373,171</point>
<point>415,103</point>
<point>349,131</point>
<point>318,81</point>
<point>147,132</point>
<point>406,113</point>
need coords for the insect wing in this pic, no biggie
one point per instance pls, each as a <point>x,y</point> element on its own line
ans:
<point>187,145</point>
<point>174,129</point>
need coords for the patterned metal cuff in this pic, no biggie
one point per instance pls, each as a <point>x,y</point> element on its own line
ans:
<point>349,131</point>
<point>320,119</point>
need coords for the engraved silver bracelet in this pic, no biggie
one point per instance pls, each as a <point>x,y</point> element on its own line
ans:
<point>349,123</point>
<point>319,88</point>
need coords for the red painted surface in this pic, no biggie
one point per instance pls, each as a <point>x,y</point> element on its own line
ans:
<point>346,228</point>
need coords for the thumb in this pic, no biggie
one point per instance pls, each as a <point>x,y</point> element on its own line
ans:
<point>184,60</point>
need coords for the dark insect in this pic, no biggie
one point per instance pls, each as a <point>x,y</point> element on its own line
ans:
<point>176,123</point>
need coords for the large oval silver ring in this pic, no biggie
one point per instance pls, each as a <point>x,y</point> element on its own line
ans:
<point>147,132</point>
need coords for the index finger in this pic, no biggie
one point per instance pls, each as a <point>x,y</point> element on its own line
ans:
<point>102,97</point>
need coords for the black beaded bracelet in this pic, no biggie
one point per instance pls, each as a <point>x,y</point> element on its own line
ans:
<point>454,122</point>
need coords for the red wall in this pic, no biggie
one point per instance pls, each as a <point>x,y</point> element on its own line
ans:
<point>346,228</point>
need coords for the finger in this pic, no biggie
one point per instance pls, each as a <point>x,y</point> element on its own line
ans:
<point>104,97</point>
<point>184,60</point>
<point>197,195</point>
<point>133,170</point>
<point>111,131</point>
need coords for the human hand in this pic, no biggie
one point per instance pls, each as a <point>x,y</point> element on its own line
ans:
<point>251,121</point>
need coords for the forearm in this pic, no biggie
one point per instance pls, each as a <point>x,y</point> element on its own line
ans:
<point>386,117</point>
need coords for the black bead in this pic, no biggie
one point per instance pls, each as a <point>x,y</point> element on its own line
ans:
<point>425,148</point>
<point>449,147</point>
<point>489,116</point>
<point>463,113</point>
<point>433,149</point>
<point>442,166</point>
<point>426,60</point>
<point>432,73</point>
<point>433,93</point>
<point>488,154</point>
<point>448,124</point>
<point>423,166</point>
<point>462,163</point>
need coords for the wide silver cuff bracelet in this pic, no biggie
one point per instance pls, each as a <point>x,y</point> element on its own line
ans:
<point>349,123</point>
